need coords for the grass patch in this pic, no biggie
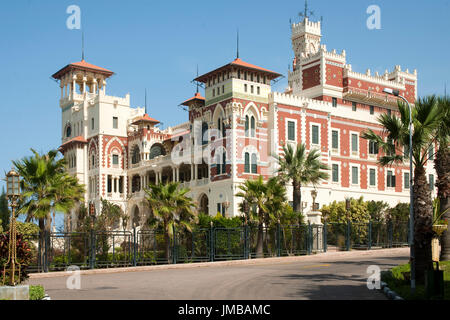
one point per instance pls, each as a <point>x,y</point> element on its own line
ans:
<point>397,280</point>
<point>37,292</point>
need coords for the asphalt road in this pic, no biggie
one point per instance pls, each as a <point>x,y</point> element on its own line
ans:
<point>321,277</point>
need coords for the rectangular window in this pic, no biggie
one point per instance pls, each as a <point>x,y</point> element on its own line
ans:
<point>223,89</point>
<point>115,159</point>
<point>121,185</point>
<point>371,109</point>
<point>258,90</point>
<point>335,139</point>
<point>245,87</point>
<point>389,112</point>
<point>373,147</point>
<point>355,179</point>
<point>354,142</point>
<point>245,75</point>
<point>335,172</point>
<point>315,134</point>
<point>291,130</point>
<point>406,180</point>
<point>334,102</point>
<point>353,106</point>
<point>92,124</point>
<point>115,122</point>
<point>251,89</point>
<point>390,181</point>
<point>431,181</point>
<point>372,177</point>
<point>214,92</point>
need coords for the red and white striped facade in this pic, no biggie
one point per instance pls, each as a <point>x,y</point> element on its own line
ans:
<point>117,150</point>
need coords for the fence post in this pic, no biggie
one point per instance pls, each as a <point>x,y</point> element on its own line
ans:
<point>92,250</point>
<point>348,233</point>
<point>390,233</point>
<point>174,249</point>
<point>134,247</point>
<point>370,235</point>
<point>211,242</point>
<point>278,239</point>
<point>308,237</point>
<point>325,240</point>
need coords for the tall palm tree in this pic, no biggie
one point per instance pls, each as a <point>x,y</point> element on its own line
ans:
<point>442,167</point>
<point>170,207</point>
<point>254,192</point>
<point>302,168</point>
<point>46,187</point>
<point>426,118</point>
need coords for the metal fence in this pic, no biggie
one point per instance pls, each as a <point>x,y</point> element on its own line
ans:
<point>106,249</point>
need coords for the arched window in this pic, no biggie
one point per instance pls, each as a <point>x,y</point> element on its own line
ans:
<point>224,160</point>
<point>68,131</point>
<point>247,125</point>
<point>247,163</point>
<point>252,124</point>
<point>204,133</point>
<point>156,150</point>
<point>254,164</point>
<point>135,155</point>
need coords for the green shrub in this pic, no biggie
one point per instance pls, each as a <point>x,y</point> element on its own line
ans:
<point>23,251</point>
<point>37,292</point>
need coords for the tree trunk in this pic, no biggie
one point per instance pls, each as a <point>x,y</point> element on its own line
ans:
<point>41,245</point>
<point>259,242</point>
<point>423,220</point>
<point>48,229</point>
<point>442,167</point>
<point>297,196</point>
<point>167,238</point>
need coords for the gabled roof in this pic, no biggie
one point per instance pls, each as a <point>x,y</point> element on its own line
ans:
<point>79,139</point>
<point>82,65</point>
<point>239,63</point>
<point>143,119</point>
<point>197,96</point>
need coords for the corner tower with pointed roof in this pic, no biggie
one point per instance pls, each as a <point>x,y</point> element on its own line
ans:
<point>235,113</point>
<point>94,129</point>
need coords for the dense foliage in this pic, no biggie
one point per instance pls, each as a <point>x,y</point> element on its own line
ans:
<point>23,251</point>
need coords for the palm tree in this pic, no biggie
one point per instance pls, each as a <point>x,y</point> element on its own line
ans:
<point>302,168</point>
<point>426,118</point>
<point>442,167</point>
<point>254,192</point>
<point>171,207</point>
<point>46,187</point>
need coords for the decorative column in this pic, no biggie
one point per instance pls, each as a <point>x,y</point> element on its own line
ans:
<point>84,85</point>
<point>178,174</point>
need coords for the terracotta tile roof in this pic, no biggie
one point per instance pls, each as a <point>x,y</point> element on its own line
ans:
<point>197,96</point>
<point>145,118</point>
<point>240,63</point>
<point>79,139</point>
<point>83,65</point>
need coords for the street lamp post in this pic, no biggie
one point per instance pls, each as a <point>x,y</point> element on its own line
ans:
<point>411,191</point>
<point>13,194</point>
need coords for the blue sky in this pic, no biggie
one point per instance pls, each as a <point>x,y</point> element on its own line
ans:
<point>157,45</point>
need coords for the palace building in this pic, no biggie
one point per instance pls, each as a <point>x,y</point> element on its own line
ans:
<point>234,131</point>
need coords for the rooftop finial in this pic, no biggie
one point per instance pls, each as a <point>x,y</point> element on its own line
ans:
<point>82,45</point>
<point>237,47</point>
<point>307,13</point>
<point>197,77</point>
<point>145,101</point>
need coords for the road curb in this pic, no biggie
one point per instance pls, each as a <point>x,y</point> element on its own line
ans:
<point>392,295</point>
<point>258,261</point>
